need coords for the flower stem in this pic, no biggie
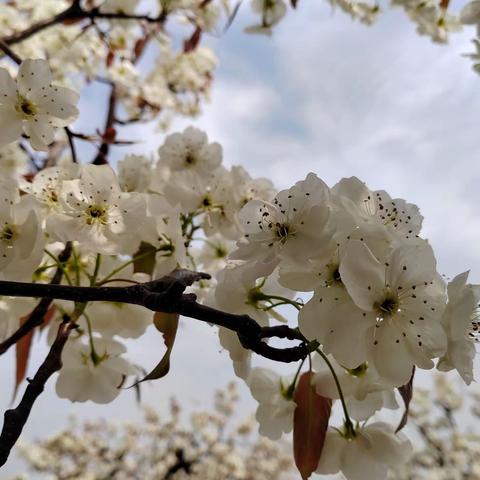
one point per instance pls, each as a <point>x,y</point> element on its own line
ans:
<point>350,429</point>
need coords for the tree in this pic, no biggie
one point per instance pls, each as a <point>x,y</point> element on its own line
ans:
<point>101,249</point>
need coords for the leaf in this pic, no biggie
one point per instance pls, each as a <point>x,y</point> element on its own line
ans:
<point>406,391</point>
<point>167,324</point>
<point>310,423</point>
<point>193,41</point>
<point>444,4</point>
<point>139,47</point>
<point>294,3</point>
<point>110,58</point>
<point>48,317</point>
<point>22,352</point>
<point>144,259</point>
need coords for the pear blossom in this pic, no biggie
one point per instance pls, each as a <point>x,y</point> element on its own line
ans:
<point>134,173</point>
<point>365,206</point>
<point>47,185</point>
<point>97,214</point>
<point>369,454</point>
<point>33,105</point>
<point>82,378</point>
<point>275,410</point>
<point>405,298</point>
<point>290,228</point>
<point>190,150</point>
<point>460,321</point>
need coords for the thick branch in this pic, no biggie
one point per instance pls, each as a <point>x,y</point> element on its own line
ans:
<point>35,319</point>
<point>166,295</point>
<point>76,13</point>
<point>15,419</point>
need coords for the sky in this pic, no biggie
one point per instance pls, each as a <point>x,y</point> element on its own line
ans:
<point>327,95</point>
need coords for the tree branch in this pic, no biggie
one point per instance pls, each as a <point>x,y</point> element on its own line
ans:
<point>167,295</point>
<point>77,13</point>
<point>15,419</point>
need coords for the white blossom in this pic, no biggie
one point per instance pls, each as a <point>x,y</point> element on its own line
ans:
<point>33,105</point>
<point>275,411</point>
<point>369,454</point>
<point>460,321</point>
<point>97,214</point>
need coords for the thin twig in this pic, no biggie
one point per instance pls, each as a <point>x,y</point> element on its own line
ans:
<point>101,157</point>
<point>71,143</point>
<point>9,52</point>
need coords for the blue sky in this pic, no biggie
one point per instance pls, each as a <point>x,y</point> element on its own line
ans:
<point>328,95</point>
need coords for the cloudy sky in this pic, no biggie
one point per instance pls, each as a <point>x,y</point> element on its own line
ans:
<point>338,98</point>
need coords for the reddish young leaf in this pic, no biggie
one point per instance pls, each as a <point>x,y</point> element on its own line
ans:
<point>406,391</point>
<point>22,352</point>
<point>23,346</point>
<point>48,317</point>
<point>310,423</point>
<point>444,4</point>
<point>193,41</point>
<point>140,45</point>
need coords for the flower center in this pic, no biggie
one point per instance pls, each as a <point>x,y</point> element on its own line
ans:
<point>96,214</point>
<point>190,159</point>
<point>388,306</point>
<point>282,230</point>
<point>25,106</point>
<point>333,275</point>
<point>7,235</point>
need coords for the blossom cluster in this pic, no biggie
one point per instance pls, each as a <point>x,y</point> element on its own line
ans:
<point>344,266</point>
<point>351,262</point>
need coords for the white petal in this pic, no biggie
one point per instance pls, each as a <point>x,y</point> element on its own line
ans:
<point>411,265</point>
<point>362,274</point>
<point>390,354</point>
<point>8,90</point>
<point>331,318</point>
<point>40,132</point>
<point>331,459</point>
<point>10,125</point>
<point>33,75</point>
